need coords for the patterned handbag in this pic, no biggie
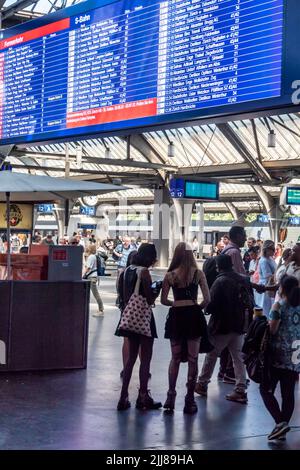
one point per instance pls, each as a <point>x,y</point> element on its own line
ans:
<point>136,317</point>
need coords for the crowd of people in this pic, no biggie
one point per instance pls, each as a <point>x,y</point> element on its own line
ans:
<point>243,275</point>
<point>264,278</point>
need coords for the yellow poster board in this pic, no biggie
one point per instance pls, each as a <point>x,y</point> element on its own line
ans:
<point>21,216</point>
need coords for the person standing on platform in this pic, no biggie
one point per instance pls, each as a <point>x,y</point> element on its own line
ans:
<point>294,266</point>
<point>138,276</point>
<point>229,308</point>
<point>92,275</point>
<point>251,242</point>
<point>186,323</point>
<point>267,269</point>
<point>284,356</point>
<point>121,253</point>
<point>237,238</point>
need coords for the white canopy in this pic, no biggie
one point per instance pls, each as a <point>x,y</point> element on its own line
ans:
<point>25,187</point>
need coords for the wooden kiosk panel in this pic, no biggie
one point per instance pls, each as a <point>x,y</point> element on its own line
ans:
<point>5,293</point>
<point>48,325</point>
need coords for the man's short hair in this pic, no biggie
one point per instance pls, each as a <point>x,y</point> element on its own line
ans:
<point>236,231</point>
<point>224,262</point>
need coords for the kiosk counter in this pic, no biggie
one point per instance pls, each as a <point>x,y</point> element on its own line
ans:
<point>44,319</point>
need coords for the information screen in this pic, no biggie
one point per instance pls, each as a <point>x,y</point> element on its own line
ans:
<point>293,196</point>
<point>135,63</point>
<point>198,190</point>
<point>182,188</point>
<point>85,210</point>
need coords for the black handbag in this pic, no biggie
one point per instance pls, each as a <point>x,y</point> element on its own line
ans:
<point>257,363</point>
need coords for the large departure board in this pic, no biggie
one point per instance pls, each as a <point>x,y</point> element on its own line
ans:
<point>134,63</point>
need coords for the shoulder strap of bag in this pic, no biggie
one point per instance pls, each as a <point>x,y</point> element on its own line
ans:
<point>138,281</point>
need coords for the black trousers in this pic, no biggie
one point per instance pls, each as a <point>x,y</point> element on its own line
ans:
<point>287,379</point>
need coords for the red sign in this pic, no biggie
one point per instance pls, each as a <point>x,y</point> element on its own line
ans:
<point>59,254</point>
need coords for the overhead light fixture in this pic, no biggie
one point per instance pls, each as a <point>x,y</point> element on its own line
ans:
<point>272,139</point>
<point>171,150</point>
<point>107,153</point>
<point>79,156</point>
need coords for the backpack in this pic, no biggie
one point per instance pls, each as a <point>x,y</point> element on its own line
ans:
<point>99,264</point>
<point>245,301</point>
<point>255,335</point>
<point>256,351</point>
<point>210,270</point>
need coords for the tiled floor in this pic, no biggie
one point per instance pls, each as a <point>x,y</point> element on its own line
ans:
<point>77,409</point>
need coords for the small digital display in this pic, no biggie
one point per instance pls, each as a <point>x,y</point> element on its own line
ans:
<point>293,196</point>
<point>59,254</point>
<point>263,218</point>
<point>198,190</point>
<point>45,208</point>
<point>85,210</point>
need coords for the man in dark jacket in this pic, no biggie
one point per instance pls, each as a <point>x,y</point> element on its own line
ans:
<point>229,308</point>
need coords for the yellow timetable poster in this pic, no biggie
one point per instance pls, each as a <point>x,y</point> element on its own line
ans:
<point>21,216</point>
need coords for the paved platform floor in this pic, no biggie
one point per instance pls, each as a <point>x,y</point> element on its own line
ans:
<point>77,409</point>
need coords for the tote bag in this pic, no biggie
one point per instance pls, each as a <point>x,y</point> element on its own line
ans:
<point>136,317</point>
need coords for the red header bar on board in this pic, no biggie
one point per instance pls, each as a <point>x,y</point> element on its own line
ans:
<point>119,112</point>
<point>35,33</point>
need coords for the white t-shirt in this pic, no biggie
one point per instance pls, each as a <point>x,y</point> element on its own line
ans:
<point>91,264</point>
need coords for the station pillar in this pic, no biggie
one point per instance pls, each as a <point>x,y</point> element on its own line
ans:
<point>60,219</point>
<point>184,210</point>
<point>200,233</point>
<point>161,225</point>
<point>273,210</point>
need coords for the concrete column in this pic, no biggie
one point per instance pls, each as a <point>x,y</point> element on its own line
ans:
<point>161,225</point>
<point>200,234</point>
<point>239,217</point>
<point>184,210</point>
<point>273,210</point>
<point>60,219</point>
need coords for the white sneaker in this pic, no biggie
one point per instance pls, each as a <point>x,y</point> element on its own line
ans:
<point>98,314</point>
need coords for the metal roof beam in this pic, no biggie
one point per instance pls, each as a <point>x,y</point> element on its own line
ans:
<point>140,143</point>
<point>19,5</point>
<point>98,161</point>
<point>241,148</point>
<point>214,170</point>
<point>29,166</point>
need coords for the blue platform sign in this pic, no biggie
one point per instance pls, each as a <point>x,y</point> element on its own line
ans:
<point>85,210</point>
<point>45,208</point>
<point>263,218</point>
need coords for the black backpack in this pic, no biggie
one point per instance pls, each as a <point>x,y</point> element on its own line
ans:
<point>210,270</point>
<point>256,351</point>
<point>99,264</point>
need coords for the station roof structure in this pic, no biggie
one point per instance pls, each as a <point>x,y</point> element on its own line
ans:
<point>235,153</point>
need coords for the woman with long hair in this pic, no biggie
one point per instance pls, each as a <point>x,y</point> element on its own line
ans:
<point>284,356</point>
<point>143,260</point>
<point>184,326</point>
<point>121,305</point>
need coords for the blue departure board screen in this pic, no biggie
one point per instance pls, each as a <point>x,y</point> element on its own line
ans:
<point>293,196</point>
<point>181,188</point>
<point>102,67</point>
<point>199,190</point>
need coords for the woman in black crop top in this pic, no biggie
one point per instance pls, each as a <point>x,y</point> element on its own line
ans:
<point>145,257</point>
<point>185,323</point>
